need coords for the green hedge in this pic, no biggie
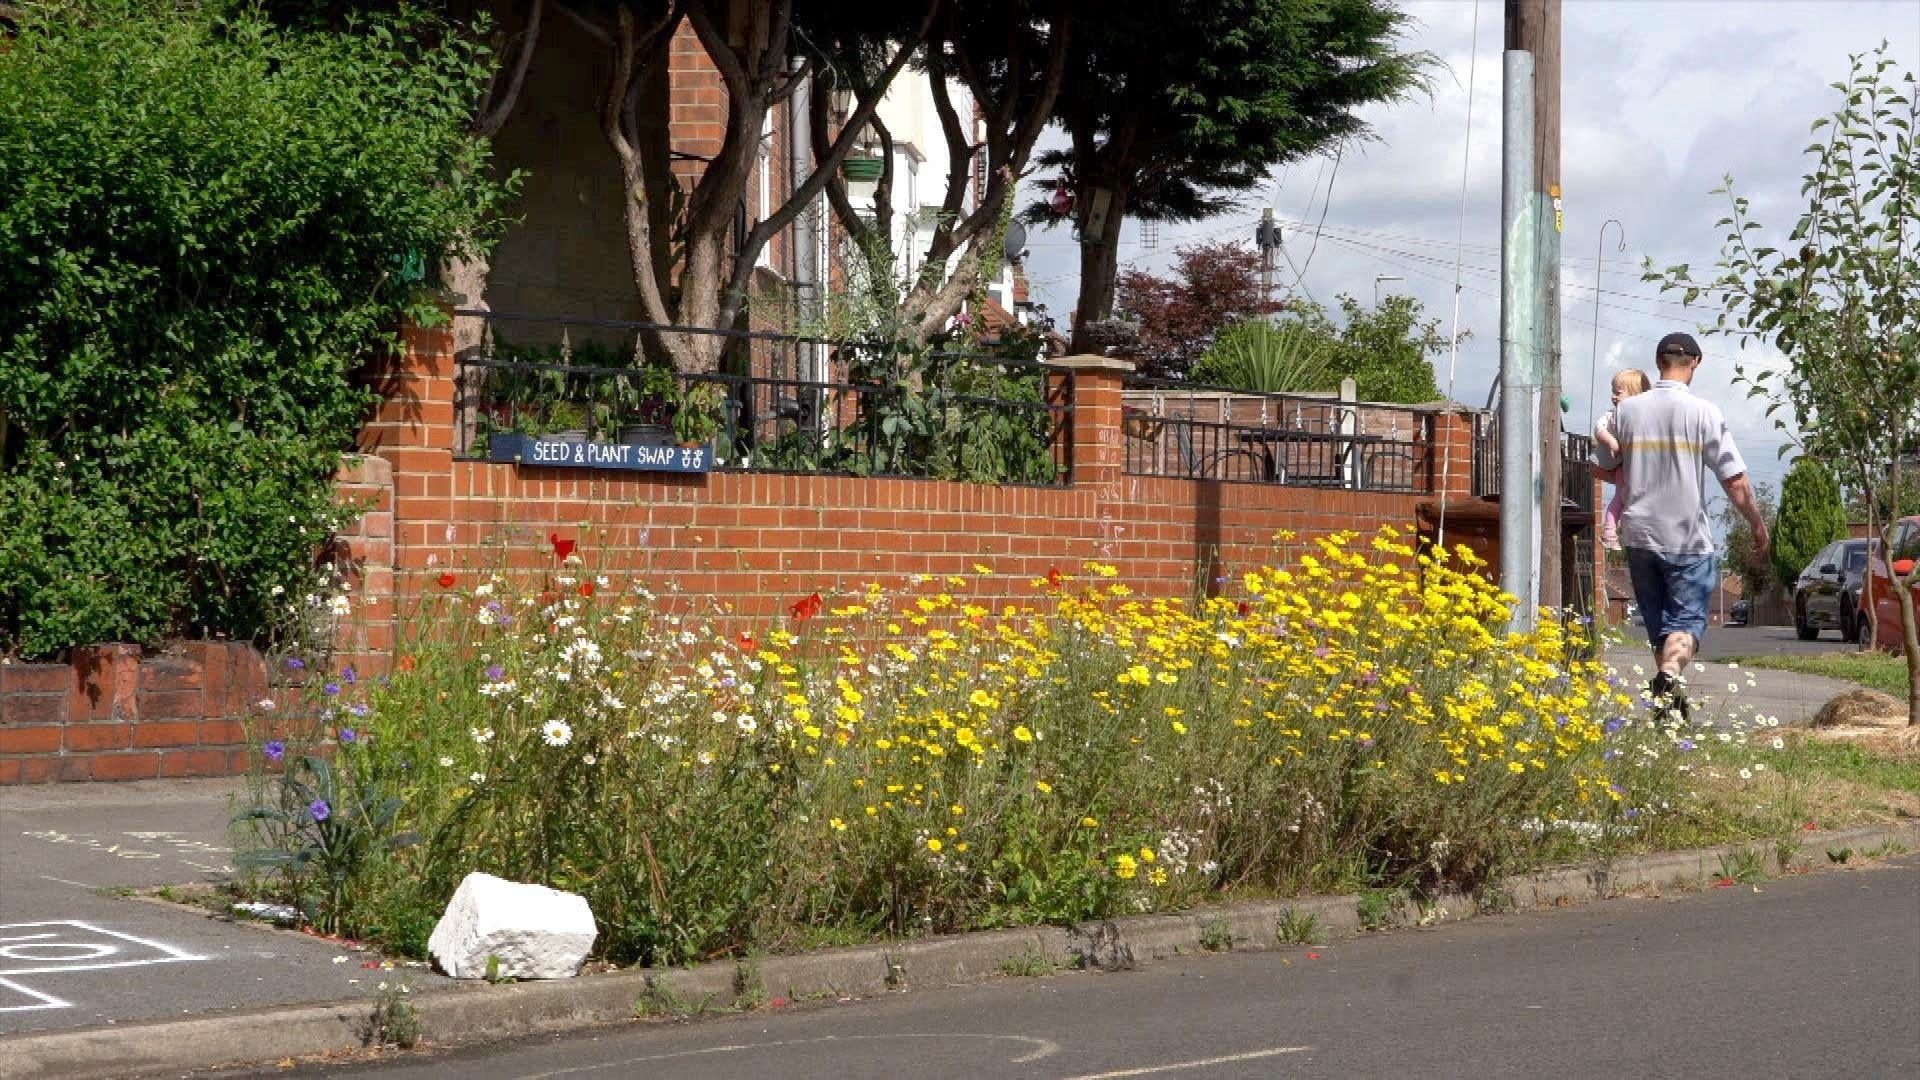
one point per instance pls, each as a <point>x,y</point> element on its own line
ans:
<point>209,224</point>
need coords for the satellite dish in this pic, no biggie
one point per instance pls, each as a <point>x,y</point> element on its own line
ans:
<point>1014,244</point>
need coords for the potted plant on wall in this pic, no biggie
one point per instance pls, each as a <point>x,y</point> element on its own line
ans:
<point>696,415</point>
<point>647,402</point>
<point>566,421</point>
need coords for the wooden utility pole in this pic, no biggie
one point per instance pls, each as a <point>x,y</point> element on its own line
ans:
<point>1534,26</point>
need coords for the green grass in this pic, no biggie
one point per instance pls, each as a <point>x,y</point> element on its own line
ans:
<point>1845,761</point>
<point>1878,671</point>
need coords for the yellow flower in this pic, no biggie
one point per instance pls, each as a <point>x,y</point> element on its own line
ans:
<point>1022,733</point>
<point>1179,728</point>
<point>933,844</point>
<point>1124,867</point>
<point>838,825</point>
<point>957,810</point>
<point>1156,877</point>
<point>1146,854</point>
<point>1043,787</point>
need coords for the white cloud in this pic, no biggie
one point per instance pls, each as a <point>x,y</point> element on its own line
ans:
<point>1660,100</point>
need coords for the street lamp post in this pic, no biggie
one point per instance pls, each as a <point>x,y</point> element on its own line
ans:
<point>1377,279</point>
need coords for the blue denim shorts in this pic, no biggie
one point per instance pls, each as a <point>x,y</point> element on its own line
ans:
<point>1674,592</point>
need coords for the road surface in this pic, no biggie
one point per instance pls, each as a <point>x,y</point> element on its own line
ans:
<point>1811,976</point>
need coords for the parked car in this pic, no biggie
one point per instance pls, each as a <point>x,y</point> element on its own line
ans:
<point>1739,613</point>
<point>1882,622</point>
<point>1827,594</point>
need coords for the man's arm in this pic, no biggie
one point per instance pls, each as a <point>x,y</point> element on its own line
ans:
<point>1740,493</point>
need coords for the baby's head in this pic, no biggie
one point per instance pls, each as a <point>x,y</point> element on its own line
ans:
<point>1628,383</point>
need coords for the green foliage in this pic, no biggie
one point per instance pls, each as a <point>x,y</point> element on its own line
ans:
<point>1258,355</point>
<point>1296,927</point>
<point>1387,351</point>
<point>207,229</point>
<point>1172,108</point>
<point>1375,908</point>
<point>321,830</point>
<point>1739,553</point>
<point>1810,517</point>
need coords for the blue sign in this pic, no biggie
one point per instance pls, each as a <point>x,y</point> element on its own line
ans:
<point>648,457</point>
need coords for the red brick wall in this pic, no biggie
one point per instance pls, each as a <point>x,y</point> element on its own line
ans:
<point>757,542</point>
<point>112,714</point>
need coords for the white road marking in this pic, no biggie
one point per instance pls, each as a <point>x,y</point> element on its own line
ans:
<point>1041,1048</point>
<point>52,946</point>
<point>1176,1066</point>
<point>67,881</point>
<point>41,1001</point>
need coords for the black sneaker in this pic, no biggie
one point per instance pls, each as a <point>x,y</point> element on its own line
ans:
<point>1669,693</point>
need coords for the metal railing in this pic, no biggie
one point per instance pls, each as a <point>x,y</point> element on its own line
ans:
<point>1576,464</point>
<point>1190,432</point>
<point>771,402</point>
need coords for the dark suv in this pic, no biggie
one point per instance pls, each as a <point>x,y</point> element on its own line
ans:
<point>1827,594</point>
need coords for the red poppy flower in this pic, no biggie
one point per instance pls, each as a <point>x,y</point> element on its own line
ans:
<point>446,579</point>
<point>407,663</point>
<point>1246,609</point>
<point>586,588</point>
<point>561,548</point>
<point>1053,577</point>
<point>548,598</point>
<point>806,609</point>
<point>747,642</point>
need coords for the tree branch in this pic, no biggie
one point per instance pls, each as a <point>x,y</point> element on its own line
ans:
<point>492,117</point>
<point>824,166</point>
<point>594,30</point>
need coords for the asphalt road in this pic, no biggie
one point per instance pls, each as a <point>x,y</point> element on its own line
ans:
<point>73,954</point>
<point>1812,976</point>
<point>1730,641</point>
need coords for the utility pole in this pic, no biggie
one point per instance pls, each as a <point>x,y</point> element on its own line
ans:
<point>1268,237</point>
<point>1533,26</point>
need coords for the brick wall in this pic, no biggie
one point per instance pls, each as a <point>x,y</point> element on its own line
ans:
<point>757,542</point>
<point>113,714</point>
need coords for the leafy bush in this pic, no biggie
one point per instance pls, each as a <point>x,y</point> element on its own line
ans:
<point>209,224</point>
<point>1257,355</point>
<point>926,762</point>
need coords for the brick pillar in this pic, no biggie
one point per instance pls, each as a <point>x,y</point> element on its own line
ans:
<point>106,684</point>
<point>365,549</point>
<point>1452,455</point>
<point>1099,446</point>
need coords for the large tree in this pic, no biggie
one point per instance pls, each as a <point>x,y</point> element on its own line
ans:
<point>1010,56</point>
<point>1175,107</point>
<point>1810,517</point>
<point>1213,286</point>
<point>685,271</point>
<point>1839,296</point>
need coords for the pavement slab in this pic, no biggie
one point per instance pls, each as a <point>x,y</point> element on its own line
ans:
<point>73,953</point>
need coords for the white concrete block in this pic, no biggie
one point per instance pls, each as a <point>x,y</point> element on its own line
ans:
<point>536,932</point>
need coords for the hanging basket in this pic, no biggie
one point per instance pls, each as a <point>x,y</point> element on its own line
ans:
<point>863,170</point>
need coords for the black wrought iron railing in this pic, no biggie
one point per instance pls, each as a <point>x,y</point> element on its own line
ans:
<point>1576,463</point>
<point>761,401</point>
<point>1193,432</point>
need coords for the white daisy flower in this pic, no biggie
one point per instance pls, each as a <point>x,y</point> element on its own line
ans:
<point>556,733</point>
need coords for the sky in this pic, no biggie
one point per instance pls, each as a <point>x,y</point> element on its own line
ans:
<point>1660,100</point>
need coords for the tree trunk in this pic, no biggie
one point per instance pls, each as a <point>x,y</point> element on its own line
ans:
<point>1099,270</point>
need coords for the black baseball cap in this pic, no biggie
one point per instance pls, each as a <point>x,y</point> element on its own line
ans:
<point>1677,343</point>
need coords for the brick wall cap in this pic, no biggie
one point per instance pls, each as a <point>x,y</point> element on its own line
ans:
<point>1090,362</point>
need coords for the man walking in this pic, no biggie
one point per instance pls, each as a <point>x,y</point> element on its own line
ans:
<point>1668,441</point>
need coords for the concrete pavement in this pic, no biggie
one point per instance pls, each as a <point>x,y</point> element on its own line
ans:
<point>74,954</point>
<point>1808,976</point>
